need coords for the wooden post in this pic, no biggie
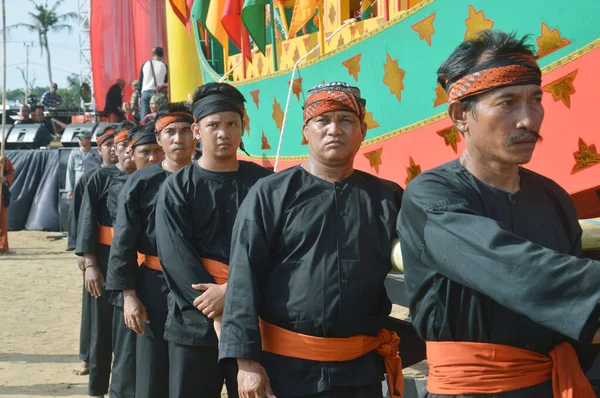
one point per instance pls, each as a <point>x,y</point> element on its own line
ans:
<point>273,37</point>
<point>2,146</point>
<point>321,10</point>
<point>243,50</point>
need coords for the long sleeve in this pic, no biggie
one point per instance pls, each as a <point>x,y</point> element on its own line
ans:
<point>240,335</point>
<point>87,224</point>
<point>174,238</point>
<point>122,265</point>
<point>446,231</point>
<point>141,80</point>
<point>70,180</point>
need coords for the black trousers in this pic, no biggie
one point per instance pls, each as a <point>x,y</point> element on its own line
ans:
<point>370,391</point>
<point>152,357</point>
<point>86,325</point>
<point>122,383</point>
<point>195,372</point>
<point>100,344</point>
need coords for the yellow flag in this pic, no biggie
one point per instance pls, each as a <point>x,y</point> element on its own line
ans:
<point>304,10</point>
<point>213,23</point>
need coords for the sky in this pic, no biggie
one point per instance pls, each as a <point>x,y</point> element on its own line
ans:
<point>64,47</point>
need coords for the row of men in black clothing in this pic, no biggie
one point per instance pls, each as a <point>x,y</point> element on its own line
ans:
<point>221,272</point>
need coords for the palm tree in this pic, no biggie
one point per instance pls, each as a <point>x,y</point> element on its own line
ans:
<point>44,20</point>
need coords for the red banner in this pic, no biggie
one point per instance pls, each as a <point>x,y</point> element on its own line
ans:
<point>122,34</point>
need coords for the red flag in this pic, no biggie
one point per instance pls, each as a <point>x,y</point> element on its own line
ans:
<point>181,8</point>
<point>232,22</point>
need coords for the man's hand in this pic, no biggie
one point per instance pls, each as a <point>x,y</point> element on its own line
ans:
<point>134,312</point>
<point>212,301</point>
<point>69,195</point>
<point>94,280</point>
<point>81,263</point>
<point>253,381</point>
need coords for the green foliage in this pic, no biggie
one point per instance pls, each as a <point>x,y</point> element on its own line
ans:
<point>69,94</point>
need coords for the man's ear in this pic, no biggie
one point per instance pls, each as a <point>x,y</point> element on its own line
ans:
<point>363,128</point>
<point>304,132</point>
<point>458,116</point>
<point>196,131</point>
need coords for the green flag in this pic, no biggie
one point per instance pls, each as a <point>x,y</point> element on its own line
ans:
<point>200,11</point>
<point>253,17</point>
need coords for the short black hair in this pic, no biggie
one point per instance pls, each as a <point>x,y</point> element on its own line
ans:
<point>487,44</point>
<point>218,88</point>
<point>35,108</point>
<point>124,125</point>
<point>171,107</point>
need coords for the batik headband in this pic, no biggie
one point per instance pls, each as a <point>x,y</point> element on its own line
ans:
<point>503,71</point>
<point>173,117</point>
<point>121,136</point>
<point>333,97</point>
<point>216,103</point>
<point>106,134</point>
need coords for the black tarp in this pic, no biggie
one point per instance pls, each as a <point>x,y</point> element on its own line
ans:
<point>34,193</point>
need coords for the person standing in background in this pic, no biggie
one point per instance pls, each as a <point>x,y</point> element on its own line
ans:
<point>81,160</point>
<point>6,179</point>
<point>114,102</point>
<point>50,99</point>
<point>134,101</point>
<point>153,76</point>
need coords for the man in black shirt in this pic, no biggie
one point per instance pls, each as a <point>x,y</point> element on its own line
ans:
<point>490,249</point>
<point>145,289</point>
<point>309,256</point>
<point>105,148</point>
<point>114,102</point>
<point>196,209</point>
<point>94,237</point>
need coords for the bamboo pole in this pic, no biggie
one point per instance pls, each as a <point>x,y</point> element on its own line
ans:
<point>2,146</point>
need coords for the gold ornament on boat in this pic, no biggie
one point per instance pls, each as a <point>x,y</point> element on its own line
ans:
<point>562,89</point>
<point>451,137</point>
<point>587,156</point>
<point>375,158</point>
<point>425,28</point>
<point>393,77</point>
<point>412,171</point>
<point>476,23</point>
<point>277,113</point>
<point>440,96</point>
<point>353,66</point>
<point>550,41</point>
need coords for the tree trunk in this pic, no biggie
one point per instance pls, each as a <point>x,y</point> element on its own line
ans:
<point>48,58</point>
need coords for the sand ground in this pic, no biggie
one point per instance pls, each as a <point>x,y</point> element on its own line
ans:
<point>40,306</point>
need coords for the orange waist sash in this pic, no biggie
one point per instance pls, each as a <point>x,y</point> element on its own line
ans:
<point>283,342</point>
<point>458,368</point>
<point>216,269</point>
<point>105,235</point>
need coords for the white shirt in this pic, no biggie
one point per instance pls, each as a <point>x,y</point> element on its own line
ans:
<point>160,70</point>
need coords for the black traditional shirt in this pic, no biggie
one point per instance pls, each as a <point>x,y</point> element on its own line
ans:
<point>135,232</point>
<point>76,200</point>
<point>94,210</point>
<point>311,256</point>
<point>483,265</point>
<point>195,213</point>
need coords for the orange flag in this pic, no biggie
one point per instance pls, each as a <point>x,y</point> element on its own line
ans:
<point>214,25</point>
<point>304,10</point>
<point>181,8</point>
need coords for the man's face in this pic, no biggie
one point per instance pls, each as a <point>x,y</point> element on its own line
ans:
<point>53,88</point>
<point>177,141</point>
<point>85,143</point>
<point>107,152</point>
<point>25,111</point>
<point>220,133</point>
<point>334,137</point>
<point>39,115</point>
<point>123,152</point>
<point>504,124</point>
<point>145,155</point>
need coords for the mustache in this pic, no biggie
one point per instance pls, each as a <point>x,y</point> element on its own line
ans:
<point>528,135</point>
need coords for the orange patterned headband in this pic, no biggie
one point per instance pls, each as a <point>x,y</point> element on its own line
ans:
<point>107,134</point>
<point>508,70</point>
<point>121,136</point>
<point>173,117</point>
<point>330,101</point>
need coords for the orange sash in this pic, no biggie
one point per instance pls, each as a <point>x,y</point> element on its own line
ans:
<point>105,235</point>
<point>283,342</point>
<point>458,368</point>
<point>216,269</point>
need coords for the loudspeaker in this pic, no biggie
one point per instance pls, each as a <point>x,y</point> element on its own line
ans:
<point>69,136</point>
<point>28,136</point>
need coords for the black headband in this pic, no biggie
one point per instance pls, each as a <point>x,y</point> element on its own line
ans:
<point>143,139</point>
<point>216,103</point>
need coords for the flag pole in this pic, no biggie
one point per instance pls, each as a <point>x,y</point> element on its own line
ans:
<point>321,8</point>
<point>273,37</point>
<point>3,144</point>
<point>243,51</point>
<point>282,16</point>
